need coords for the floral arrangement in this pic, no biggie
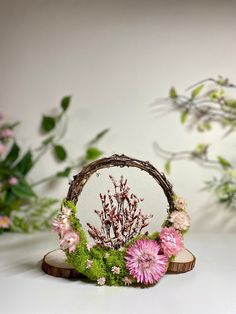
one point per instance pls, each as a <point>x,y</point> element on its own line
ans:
<point>21,208</point>
<point>121,254</point>
<point>206,104</point>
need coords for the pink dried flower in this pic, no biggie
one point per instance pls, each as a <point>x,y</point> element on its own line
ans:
<point>145,262</point>
<point>180,220</point>
<point>180,203</point>
<point>101,281</point>
<point>2,149</point>
<point>89,264</point>
<point>171,241</point>
<point>13,181</point>
<point>115,270</point>
<point>6,133</point>
<point>127,281</point>
<point>61,226</point>
<point>69,241</point>
<point>5,222</point>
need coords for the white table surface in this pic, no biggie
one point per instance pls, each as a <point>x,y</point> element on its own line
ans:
<point>209,288</point>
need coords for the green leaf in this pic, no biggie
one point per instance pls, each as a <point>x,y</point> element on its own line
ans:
<point>25,164</point>
<point>200,150</point>
<point>48,123</point>
<point>173,93</point>
<point>230,103</point>
<point>223,162</point>
<point>197,91</point>
<point>184,116</point>
<point>60,152</point>
<point>13,154</point>
<point>48,140</point>
<point>93,153</point>
<point>98,137</point>
<point>64,173</point>
<point>65,103</point>
<point>167,167</point>
<point>23,190</point>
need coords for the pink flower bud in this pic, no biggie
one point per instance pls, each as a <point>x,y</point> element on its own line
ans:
<point>2,149</point>
<point>5,222</point>
<point>6,133</point>
<point>13,181</point>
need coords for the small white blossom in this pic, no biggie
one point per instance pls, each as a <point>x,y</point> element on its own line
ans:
<point>89,246</point>
<point>101,281</point>
<point>127,281</point>
<point>115,270</point>
<point>89,264</point>
<point>66,211</point>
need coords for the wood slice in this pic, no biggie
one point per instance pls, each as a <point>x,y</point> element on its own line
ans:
<point>54,264</point>
<point>184,261</point>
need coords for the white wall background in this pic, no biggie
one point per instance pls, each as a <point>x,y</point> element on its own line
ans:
<point>115,58</point>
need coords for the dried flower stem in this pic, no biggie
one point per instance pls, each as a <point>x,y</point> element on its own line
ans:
<point>120,218</point>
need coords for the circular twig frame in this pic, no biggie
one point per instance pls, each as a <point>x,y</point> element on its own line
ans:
<point>142,258</point>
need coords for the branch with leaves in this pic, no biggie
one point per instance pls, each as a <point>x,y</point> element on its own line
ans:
<point>205,104</point>
<point>21,208</point>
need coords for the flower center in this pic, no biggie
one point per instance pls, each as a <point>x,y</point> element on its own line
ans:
<point>146,261</point>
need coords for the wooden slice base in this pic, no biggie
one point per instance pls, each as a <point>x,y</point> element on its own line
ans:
<point>54,264</point>
<point>184,261</point>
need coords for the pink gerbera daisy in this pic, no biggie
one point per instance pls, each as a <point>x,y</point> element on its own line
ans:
<point>145,262</point>
<point>171,241</point>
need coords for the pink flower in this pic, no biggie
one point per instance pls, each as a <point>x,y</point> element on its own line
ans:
<point>145,262</point>
<point>2,149</point>
<point>101,281</point>
<point>115,270</point>
<point>180,203</point>
<point>171,241</point>
<point>89,264</point>
<point>61,226</point>
<point>5,222</point>
<point>13,181</point>
<point>180,220</point>
<point>127,281</point>
<point>69,241</point>
<point>6,133</point>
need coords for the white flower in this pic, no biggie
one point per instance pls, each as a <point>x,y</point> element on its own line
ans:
<point>89,264</point>
<point>180,203</point>
<point>89,246</point>
<point>115,270</point>
<point>106,255</point>
<point>127,281</point>
<point>101,281</point>
<point>66,211</point>
<point>180,220</point>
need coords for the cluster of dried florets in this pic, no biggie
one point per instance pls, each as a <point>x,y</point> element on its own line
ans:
<point>121,219</point>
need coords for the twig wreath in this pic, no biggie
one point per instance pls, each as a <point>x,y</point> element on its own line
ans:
<point>121,254</point>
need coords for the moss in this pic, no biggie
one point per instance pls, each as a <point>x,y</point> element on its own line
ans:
<point>103,259</point>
